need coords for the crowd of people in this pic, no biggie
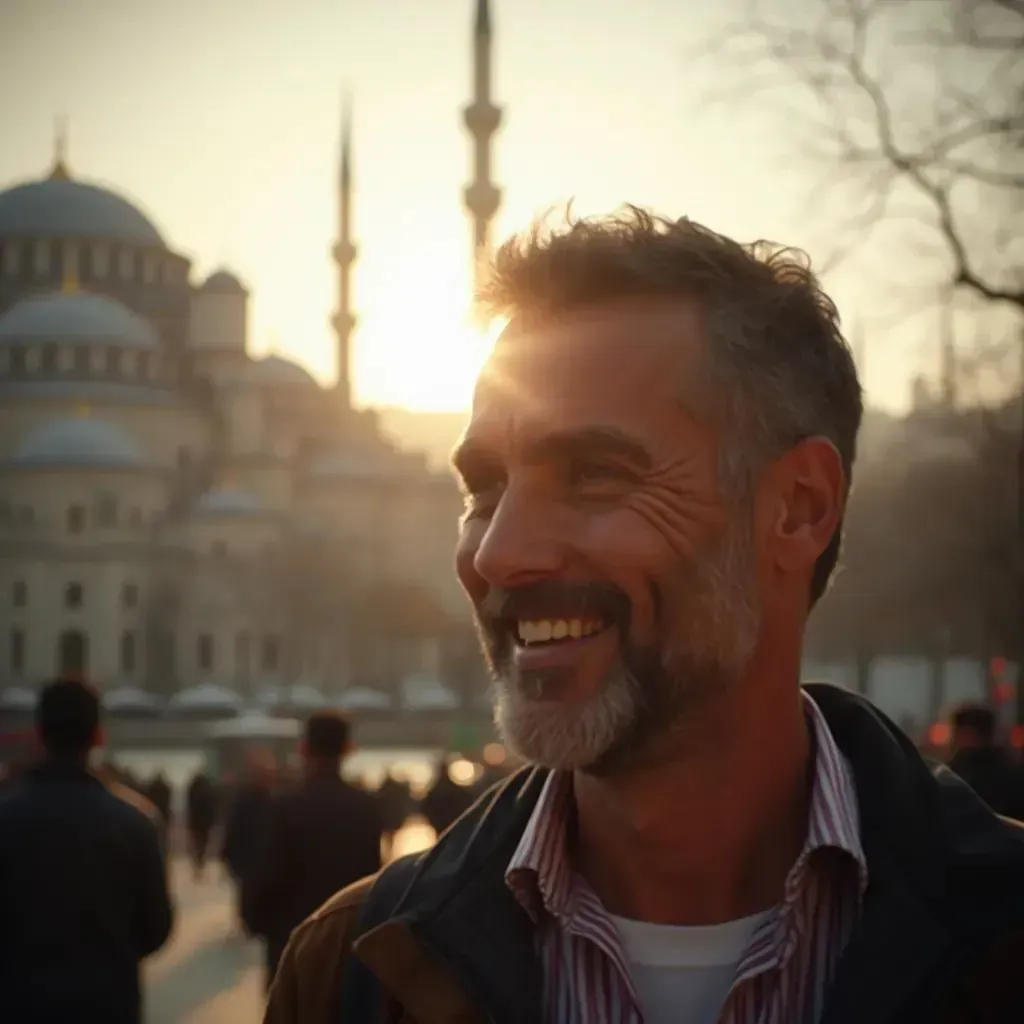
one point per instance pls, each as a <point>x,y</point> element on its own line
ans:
<point>84,881</point>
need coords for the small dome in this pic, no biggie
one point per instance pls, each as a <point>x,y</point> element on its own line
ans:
<point>276,370</point>
<point>78,442</point>
<point>75,317</point>
<point>66,208</point>
<point>224,282</point>
<point>230,503</point>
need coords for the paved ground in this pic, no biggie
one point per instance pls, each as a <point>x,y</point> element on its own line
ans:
<point>207,973</point>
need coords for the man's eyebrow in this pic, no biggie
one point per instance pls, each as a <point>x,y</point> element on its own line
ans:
<point>589,442</point>
<point>585,442</point>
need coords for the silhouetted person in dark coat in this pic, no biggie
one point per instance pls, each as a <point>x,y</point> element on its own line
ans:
<point>395,804</point>
<point>247,827</point>
<point>83,892</point>
<point>324,835</point>
<point>200,817</point>
<point>159,791</point>
<point>985,766</point>
<point>445,801</point>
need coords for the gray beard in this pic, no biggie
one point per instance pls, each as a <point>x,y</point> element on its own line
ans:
<point>652,692</point>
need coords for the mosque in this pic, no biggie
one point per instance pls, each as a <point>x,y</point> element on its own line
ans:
<point>174,512</point>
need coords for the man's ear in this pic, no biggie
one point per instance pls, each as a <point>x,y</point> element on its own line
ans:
<point>811,496</point>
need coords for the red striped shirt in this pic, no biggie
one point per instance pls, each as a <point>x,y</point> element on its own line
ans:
<point>786,969</point>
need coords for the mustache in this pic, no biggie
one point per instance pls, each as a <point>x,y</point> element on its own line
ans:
<point>556,599</point>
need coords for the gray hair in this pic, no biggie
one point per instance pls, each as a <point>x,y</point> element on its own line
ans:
<point>781,369</point>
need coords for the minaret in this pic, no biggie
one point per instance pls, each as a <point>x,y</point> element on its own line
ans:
<point>482,119</point>
<point>59,171</point>
<point>344,320</point>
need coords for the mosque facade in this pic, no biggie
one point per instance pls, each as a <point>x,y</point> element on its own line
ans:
<point>175,512</point>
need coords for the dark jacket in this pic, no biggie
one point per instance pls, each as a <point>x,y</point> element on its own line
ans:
<point>83,898</point>
<point>994,776</point>
<point>246,831</point>
<point>323,836</point>
<point>438,938</point>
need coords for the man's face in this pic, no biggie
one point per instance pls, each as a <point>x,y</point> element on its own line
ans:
<point>613,588</point>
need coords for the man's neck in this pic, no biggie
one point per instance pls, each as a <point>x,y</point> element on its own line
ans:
<point>710,835</point>
<point>323,768</point>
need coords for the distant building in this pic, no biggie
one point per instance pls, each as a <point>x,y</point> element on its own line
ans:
<point>155,476</point>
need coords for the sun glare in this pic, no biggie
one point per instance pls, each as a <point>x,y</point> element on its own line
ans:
<point>421,358</point>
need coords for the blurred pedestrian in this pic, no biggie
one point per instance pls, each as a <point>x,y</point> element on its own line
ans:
<point>988,768</point>
<point>395,802</point>
<point>446,800</point>
<point>247,825</point>
<point>200,817</point>
<point>83,891</point>
<point>324,834</point>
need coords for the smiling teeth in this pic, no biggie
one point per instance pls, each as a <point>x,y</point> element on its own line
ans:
<point>538,631</point>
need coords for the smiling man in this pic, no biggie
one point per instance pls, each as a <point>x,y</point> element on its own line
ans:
<point>656,471</point>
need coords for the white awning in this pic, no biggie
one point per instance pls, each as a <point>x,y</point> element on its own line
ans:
<point>130,698</point>
<point>363,698</point>
<point>206,696</point>
<point>19,698</point>
<point>254,725</point>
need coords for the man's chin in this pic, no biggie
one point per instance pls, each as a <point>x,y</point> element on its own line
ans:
<point>565,734</point>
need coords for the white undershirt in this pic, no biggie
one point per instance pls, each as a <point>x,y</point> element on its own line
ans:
<point>684,974</point>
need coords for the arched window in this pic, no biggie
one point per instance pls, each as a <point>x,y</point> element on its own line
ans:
<point>48,358</point>
<point>12,260</point>
<point>72,653</point>
<point>128,651</point>
<point>19,360</point>
<point>271,654</point>
<point>113,361</point>
<point>17,652</point>
<point>243,654</point>
<point>82,360</point>
<point>204,652</point>
<point>76,518</point>
<point>74,595</point>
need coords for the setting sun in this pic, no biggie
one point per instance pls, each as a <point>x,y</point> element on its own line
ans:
<point>424,353</point>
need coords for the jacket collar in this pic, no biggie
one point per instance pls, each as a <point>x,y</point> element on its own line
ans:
<point>936,858</point>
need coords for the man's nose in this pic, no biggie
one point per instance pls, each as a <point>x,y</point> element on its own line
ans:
<point>522,543</point>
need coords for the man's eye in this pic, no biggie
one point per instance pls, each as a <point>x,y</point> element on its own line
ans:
<point>582,474</point>
<point>479,497</point>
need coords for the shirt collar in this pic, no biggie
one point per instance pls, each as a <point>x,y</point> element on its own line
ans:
<point>540,872</point>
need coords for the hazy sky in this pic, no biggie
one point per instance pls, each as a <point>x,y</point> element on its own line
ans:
<point>221,118</point>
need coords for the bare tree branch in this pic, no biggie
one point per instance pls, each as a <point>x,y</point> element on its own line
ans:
<point>972,139</point>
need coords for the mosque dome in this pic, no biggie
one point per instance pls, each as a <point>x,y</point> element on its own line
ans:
<point>63,207</point>
<point>276,370</point>
<point>75,317</point>
<point>229,503</point>
<point>223,282</point>
<point>78,442</point>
